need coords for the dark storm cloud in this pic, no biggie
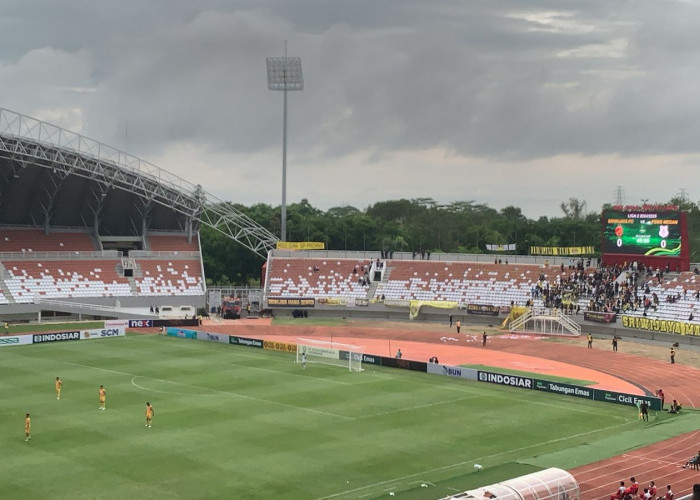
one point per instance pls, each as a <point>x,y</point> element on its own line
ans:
<point>492,80</point>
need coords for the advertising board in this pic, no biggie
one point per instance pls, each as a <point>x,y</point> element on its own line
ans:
<point>101,333</point>
<point>213,337</point>
<point>15,340</point>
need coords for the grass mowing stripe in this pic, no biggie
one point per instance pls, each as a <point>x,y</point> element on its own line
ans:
<point>218,391</point>
<point>412,408</point>
<point>462,464</point>
<point>208,441</point>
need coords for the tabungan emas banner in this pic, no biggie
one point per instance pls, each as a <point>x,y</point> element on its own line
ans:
<point>300,245</point>
<point>562,250</point>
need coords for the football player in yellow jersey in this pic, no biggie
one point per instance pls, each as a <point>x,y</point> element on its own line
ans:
<point>103,398</point>
<point>27,427</point>
<point>59,384</point>
<point>149,414</point>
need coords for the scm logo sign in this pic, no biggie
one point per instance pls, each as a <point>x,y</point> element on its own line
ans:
<point>9,340</point>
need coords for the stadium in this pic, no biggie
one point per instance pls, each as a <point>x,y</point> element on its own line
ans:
<point>96,243</point>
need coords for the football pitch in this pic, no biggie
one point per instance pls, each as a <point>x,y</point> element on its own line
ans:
<point>237,422</point>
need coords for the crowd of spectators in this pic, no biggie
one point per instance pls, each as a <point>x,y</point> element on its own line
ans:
<point>614,289</point>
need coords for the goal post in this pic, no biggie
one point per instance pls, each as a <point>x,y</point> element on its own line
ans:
<point>330,353</point>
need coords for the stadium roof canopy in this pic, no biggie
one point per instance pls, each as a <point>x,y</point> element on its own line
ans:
<point>50,176</point>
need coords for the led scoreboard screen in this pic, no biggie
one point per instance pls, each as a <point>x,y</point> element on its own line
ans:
<point>642,233</point>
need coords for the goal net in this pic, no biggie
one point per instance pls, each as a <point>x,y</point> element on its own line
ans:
<point>331,353</point>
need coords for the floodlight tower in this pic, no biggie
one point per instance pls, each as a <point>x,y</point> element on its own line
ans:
<point>284,73</point>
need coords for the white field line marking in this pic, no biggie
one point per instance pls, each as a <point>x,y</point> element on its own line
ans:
<point>164,392</point>
<point>235,394</point>
<point>361,379</point>
<point>461,464</point>
<point>411,408</point>
<point>375,376</point>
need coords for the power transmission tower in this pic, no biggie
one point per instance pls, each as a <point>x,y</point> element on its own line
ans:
<point>619,195</point>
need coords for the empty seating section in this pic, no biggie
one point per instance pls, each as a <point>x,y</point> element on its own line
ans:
<point>320,278</point>
<point>174,277</point>
<point>461,282</point>
<point>34,240</point>
<point>171,243</point>
<point>61,279</point>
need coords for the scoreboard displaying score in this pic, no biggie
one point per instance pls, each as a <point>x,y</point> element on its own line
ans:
<point>650,233</point>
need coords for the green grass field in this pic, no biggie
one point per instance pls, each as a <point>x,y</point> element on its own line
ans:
<point>236,422</point>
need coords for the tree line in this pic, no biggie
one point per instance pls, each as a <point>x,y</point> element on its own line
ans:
<point>418,224</point>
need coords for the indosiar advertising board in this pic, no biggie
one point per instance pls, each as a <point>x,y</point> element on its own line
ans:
<point>503,379</point>
<point>213,337</point>
<point>101,333</point>
<point>41,338</point>
<point>15,340</point>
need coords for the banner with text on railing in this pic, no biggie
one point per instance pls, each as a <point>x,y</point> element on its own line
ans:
<point>588,250</point>
<point>661,325</point>
<point>300,245</point>
<point>508,247</point>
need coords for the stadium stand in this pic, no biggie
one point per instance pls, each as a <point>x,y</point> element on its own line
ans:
<point>172,277</point>
<point>66,264</point>
<point>34,240</point>
<point>319,278</point>
<point>461,282</point>
<point>62,279</point>
<point>171,243</point>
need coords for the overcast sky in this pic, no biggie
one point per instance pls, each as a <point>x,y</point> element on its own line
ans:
<point>502,102</point>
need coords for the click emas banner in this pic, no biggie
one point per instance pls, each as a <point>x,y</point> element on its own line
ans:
<point>101,333</point>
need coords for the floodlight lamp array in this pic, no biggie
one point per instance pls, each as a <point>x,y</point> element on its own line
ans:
<point>284,73</point>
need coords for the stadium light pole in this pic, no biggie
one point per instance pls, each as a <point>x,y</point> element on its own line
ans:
<point>284,73</point>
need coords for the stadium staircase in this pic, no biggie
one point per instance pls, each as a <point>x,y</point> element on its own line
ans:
<point>542,320</point>
<point>130,279</point>
<point>386,276</point>
<point>372,288</point>
<point>3,286</point>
